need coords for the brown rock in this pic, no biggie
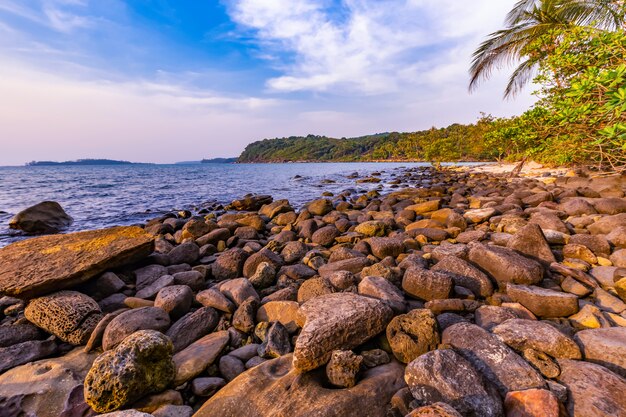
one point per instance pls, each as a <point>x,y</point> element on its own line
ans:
<point>413,334</point>
<point>426,284</point>
<point>505,265</point>
<point>45,217</point>
<point>195,358</point>
<point>434,410</point>
<point>343,367</point>
<point>530,241</point>
<point>50,263</point>
<point>542,301</point>
<point>466,275</point>
<point>385,246</point>
<point>192,327</point>
<point>314,287</point>
<point>284,312</point>
<point>606,347</point>
<point>127,323</point>
<point>531,403</point>
<point>384,290</point>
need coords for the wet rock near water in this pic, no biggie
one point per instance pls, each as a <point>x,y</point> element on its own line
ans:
<point>458,294</point>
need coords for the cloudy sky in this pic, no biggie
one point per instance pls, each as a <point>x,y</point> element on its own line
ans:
<point>173,80</point>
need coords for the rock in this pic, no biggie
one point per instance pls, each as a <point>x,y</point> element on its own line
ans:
<point>385,246</point>
<point>336,321</point>
<point>606,347</point>
<point>127,323</point>
<point>466,275</point>
<point>243,319</point>
<point>542,301</point>
<point>206,387</point>
<point>276,342</point>
<point>589,317</point>
<point>607,224</point>
<point>141,364</point>
<point>46,388</point>
<point>320,207</point>
<point>217,300</point>
<point>353,265</point>
<point>426,285</point>
<point>610,205</point>
<point>230,367</point>
<point>69,315</point>
<point>147,275</point>
<point>192,279</point>
<point>175,300</point>
<point>479,215</point>
<point>126,413</point>
<point>103,286</point>
<point>285,312</point>
<point>192,327</point>
<point>229,264</point>
<point>607,302</point>
<point>239,290</point>
<point>18,333</point>
<point>531,403</point>
<point>271,389</point>
<point>25,352</point>
<point>151,290</point>
<point>505,265</point>
<point>618,258</point>
<point>594,391</point>
<point>45,217</point>
<point>375,357</point>
<point>264,255</point>
<point>150,403</point>
<point>265,276</point>
<point>195,358</point>
<point>185,253</point>
<point>445,376</point>
<point>342,368</point>
<point>313,288</point>
<point>413,334</point>
<point>496,361</point>
<point>372,228</point>
<point>523,334</point>
<point>434,410</point>
<point>38,266</point>
<point>384,290</point>
<point>530,241</point>
<point>173,411</point>
<point>489,317</point>
<point>325,236</point>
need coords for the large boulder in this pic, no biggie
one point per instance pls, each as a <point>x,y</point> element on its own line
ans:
<point>275,389</point>
<point>142,364</point>
<point>69,315</point>
<point>336,321</point>
<point>523,334</point>
<point>445,376</point>
<point>606,347</point>
<point>495,360</point>
<point>45,217</point>
<point>50,263</point>
<point>46,388</point>
<point>593,390</point>
<point>505,265</point>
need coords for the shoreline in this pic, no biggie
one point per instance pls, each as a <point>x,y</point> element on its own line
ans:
<point>368,288</point>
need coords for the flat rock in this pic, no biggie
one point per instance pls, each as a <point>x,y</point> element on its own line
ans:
<point>427,285</point>
<point>144,318</point>
<point>336,321</point>
<point>46,388</point>
<point>192,326</point>
<point>606,347</point>
<point>466,275</point>
<point>275,389</point>
<point>531,403</point>
<point>195,358</point>
<point>495,360</point>
<point>544,302</point>
<point>25,352</point>
<point>523,334</point>
<point>505,265</point>
<point>593,390</point>
<point>285,312</point>
<point>445,376</point>
<point>50,263</point>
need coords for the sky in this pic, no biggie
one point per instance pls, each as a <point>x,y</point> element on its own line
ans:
<point>178,80</point>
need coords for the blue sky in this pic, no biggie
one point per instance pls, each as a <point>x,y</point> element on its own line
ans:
<point>171,80</point>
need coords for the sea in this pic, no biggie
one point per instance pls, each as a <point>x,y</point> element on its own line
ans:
<point>111,195</point>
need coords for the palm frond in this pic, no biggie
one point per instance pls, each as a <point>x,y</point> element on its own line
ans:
<point>520,77</point>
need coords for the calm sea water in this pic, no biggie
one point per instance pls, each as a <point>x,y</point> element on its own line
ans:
<point>102,196</point>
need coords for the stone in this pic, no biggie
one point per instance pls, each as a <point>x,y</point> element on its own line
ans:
<point>610,205</point>
<point>192,326</point>
<point>152,289</point>
<point>206,387</point>
<point>285,312</point>
<point>44,217</point>
<point>44,264</point>
<point>336,321</point>
<point>243,319</point>
<point>147,275</point>
<point>424,207</point>
<point>599,245</point>
<point>273,389</point>
<point>606,347</point>
<point>18,333</point>
<point>230,367</point>
<point>320,207</point>
<point>150,403</point>
<point>426,285</point>
<point>103,286</point>
<point>479,215</point>
<point>276,342</point>
<point>47,388</point>
<point>213,298</point>
<point>314,287</point>
<point>466,275</point>
<point>593,390</point>
<point>69,315</point>
<point>126,413</point>
<point>175,300</point>
<point>325,236</point>
<point>264,255</point>
<point>384,290</point>
<point>382,247</point>
<point>195,358</point>
<point>608,302</point>
<point>489,317</point>
<point>192,279</point>
<point>238,290</point>
<point>434,410</point>
<point>25,352</point>
<point>505,265</point>
<point>445,376</point>
<point>530,241</point>
<point>353,265</point>
<point>589,317</point>
<point>372,228</point>
<point>375,357</point>
<point>173,411</point>
<point>229,264</point>
<point>413,334</point>
<point>523,334</point>
<point>185,253</point>
<point>544,302</point>
<point>127,323</point>
<point>343,367</point>
<point>618,258</point>
<point>265,276</point>
<point>531,403</point>
<point>495,360</point>
<point>607,224</point>
<point>142,364</point>
<point>251,202</point>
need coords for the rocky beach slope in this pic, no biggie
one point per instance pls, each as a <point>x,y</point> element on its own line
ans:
<point>458,294</point>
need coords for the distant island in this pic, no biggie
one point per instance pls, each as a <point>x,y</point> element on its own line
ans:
<point>219,161</point>
<point>82,162</point>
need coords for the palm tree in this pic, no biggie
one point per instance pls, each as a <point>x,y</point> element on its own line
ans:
<point>531,20</point>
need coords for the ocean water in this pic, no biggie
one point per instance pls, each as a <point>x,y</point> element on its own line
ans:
<point>103,196</point>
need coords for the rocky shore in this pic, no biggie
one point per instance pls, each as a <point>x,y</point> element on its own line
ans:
<point>458,294</point>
